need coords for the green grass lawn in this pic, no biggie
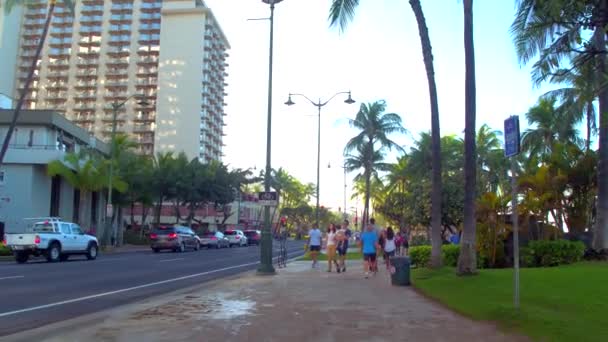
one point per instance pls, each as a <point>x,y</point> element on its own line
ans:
<point>566,303</point>
<point>323,257</point>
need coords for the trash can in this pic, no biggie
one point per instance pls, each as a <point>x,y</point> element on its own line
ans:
<point>400,271</point>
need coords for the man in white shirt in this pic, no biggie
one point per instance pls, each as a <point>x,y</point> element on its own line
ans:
<point>314,244</point>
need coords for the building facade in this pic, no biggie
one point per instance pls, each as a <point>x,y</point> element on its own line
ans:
<point>171,53</point>
<point>25,188</point>
<point>9,45</point>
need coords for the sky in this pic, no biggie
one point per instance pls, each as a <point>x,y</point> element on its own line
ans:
<point>378,57</point>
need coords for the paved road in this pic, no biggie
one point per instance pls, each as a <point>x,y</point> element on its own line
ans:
<point>39,293</point>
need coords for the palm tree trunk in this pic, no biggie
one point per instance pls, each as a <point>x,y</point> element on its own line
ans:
<point>467,260</point>
<point>427,53</point>
<point>159,207</point>
<point>28,82</point>
<point>589,125</point>
<point>82,210</point>
<point>132,213</point>
<point>600,241</point>
<point>368,190</point>
<point>120,227</point>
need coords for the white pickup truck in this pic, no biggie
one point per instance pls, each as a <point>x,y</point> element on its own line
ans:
<point>53,238</point>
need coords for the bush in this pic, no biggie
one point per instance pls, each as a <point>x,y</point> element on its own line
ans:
<point>419,240</point>
<point>450,254</point>
<point>133,238</point>
<point>4,251</point>
<point>551,253</point>
<point>420,255</point>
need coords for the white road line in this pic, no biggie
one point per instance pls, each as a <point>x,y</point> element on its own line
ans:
<point>104,294</point>
<point>171,259</point>
<point>12,277</point>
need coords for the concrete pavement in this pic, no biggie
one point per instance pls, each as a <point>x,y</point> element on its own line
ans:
<point>40,293</point>
<point>299,304</point>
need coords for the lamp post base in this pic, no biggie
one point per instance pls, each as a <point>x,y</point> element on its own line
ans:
<point>266,270</point>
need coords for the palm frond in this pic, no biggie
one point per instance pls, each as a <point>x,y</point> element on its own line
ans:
<point>342,12</point>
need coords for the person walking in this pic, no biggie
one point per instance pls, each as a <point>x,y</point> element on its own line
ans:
<point>405,244</point>
<point>314,244</point>
<point>331,248</point>
<point>390,247</point>
<point>369,247</point>
<point>344,234</point>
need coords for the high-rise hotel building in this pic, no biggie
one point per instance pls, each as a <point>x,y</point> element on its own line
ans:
<point>171,52</point>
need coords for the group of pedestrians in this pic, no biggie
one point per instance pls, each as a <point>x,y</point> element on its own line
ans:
<point>373,241</point>
<point>337,242</point>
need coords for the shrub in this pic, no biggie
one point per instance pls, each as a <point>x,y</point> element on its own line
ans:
<point>4,251</point>
<point>419,240</point>
<point>450,254</point>
<point>552,253</point>
<point>420,255</point>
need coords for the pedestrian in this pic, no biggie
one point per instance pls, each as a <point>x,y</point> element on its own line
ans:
<point>405,244</point>
<point>369,247</point>
<point>314,244</point>
<point>331,248</point>
<point>343,234</point>
<point>398,242</point>
<point>380,242</point>
<point>390,247</point>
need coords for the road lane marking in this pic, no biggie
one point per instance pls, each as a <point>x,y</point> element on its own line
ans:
<point>12,277</point>
<point>109,293</point>
<point>171,259</point>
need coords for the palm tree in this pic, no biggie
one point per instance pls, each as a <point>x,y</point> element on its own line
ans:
<point>163,180</point>
<point>554,30</point>
<point>8,6</point>
<point>374,126</point>
<point>552,125</point>
<point>491,166</point>
<point>342,12</point>
<point>370,161</point>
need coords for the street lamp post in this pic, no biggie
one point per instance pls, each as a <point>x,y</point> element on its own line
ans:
<point>266,267</point>
<point>115,107</point>
<point>319,105</point>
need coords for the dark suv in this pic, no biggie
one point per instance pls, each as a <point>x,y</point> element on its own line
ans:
<point>175,238</point>
<point>253,236</point>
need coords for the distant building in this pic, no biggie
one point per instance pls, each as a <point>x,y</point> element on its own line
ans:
<point>25,188</point>
<point>9,46</point>
<point>172,52</point>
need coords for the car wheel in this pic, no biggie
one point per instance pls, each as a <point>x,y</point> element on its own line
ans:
<point>197,246</point>
<point>53,253</point>
<point>21,257</point>
<point>92,251</point>
<point>182,248</point>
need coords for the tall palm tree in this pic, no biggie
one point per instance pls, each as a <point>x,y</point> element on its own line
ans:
<point>467,261</point>
<point>374,128</point>
<point>8,6</point>
<point>163,180</point>
<point>341,13</point>
<point>554,30</point>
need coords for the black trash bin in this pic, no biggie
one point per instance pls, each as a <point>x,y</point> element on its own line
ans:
<point>400,271</point>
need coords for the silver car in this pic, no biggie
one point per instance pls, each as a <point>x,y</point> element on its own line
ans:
<point>214,240</point>
<point>236,238</point>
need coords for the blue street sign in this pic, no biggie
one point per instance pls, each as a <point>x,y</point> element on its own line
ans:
<point>512,136</point>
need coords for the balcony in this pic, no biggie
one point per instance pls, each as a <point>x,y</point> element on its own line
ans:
<point>61,32</point>
<point>88,54</point>
<point>60,43</point>
<point>90,30</point>
<point>117,83</point>
<point>146,84</point>
<point>110,118</point>
<point>84,97</point>
<point>32,34</point>
<point>91,19</point>
<point>33,23</point>
<point>86,73</point>
<point>84,118</point>
<point>117,73</point>
<point>120,40</point>
<point>86,106</point>
<point>120,29</point>
<point>58,74</point>
<point>61,12</point>
<point>117,63</point>
<point>148,60</point>
<point>146,72</point>
<point>143,128</point>
<point>145,118</point>
<point>118,52</point>
<point>122,8</point>
<point>121,18</point>
<point>92,9</point>
<point>87,43</point>
<point>57,87</point>
<point>149,28</point>
<point>62,22</point>
<point>149,39</point>
<point>92,2</point>
<point>87,63</point>
<point>115,96</point>
<point>85,85</point>
<point>36,13</point>
<point>150,17</point>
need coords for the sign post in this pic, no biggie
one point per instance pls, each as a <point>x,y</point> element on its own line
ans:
<point>512,149</point>
<point>268,198</point>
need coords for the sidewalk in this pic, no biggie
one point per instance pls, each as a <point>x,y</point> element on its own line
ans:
<point>299,304</point>
<point>125,249</point>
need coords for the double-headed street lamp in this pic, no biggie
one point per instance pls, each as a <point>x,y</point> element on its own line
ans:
<point>266,267</point>
<point>115,107</point>
<point>319,105</point>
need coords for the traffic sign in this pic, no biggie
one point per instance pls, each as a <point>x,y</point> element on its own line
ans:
<point>512,138</point>
<point>268,198</point>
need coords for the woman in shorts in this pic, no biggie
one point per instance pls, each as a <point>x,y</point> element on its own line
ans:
<point>390,247</point>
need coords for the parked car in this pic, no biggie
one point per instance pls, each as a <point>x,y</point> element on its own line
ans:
<point>236,238</point>
<point>214,240</point>
<point>53,238</point>
<point>253,236</point>
<point>175,238</point>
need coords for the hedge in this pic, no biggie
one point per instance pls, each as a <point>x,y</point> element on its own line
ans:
<point>421,255</point>
<point>4,250</point>
<point>551,253</point>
